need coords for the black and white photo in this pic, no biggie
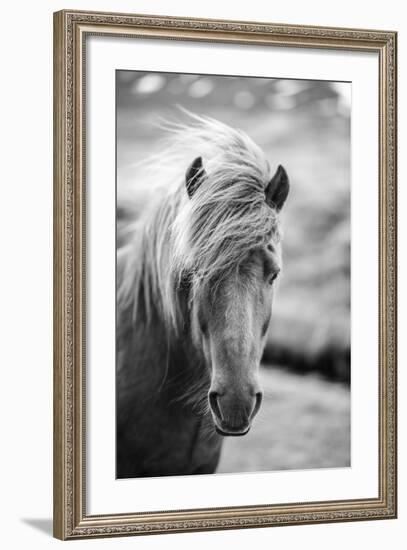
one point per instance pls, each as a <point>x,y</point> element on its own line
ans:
<point>233,274</point>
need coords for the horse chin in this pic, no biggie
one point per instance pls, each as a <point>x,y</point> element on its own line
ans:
<point>235,433</point>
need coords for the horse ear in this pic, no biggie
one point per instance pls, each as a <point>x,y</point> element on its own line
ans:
<point>194,176</point>
<point>277,189</point>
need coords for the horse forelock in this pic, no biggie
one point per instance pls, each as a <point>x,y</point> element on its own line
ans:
<point>204,237</point>
<point>227,216</point>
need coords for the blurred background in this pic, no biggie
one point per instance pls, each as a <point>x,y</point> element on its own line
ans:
<point>304,421</point>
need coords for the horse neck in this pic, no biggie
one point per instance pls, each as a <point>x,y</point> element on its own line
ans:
<point>174,362</point>
<point>163,304</point>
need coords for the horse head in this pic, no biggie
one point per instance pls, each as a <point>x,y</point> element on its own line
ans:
<point>232,285</point>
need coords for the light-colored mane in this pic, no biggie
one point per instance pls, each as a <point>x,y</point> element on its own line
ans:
<point>206,236</point>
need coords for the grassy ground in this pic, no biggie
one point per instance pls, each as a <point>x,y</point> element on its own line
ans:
<point>304,422</point>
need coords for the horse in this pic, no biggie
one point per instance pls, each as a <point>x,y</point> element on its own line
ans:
<point>195,284</point>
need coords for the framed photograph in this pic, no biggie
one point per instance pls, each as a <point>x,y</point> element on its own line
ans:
<point>225,274</point>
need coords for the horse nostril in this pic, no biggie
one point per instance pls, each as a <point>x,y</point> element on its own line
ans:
<point>213,401</point>
<point>259,397</point>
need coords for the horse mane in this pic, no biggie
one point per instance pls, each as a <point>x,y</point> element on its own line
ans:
<point>203,238</point>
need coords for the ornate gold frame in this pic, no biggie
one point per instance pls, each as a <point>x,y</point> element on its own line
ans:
<point>70,31</point>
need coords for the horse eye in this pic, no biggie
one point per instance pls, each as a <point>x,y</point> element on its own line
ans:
<point>272,278</point>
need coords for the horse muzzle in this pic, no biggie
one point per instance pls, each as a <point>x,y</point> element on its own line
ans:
<point>233,413</point>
